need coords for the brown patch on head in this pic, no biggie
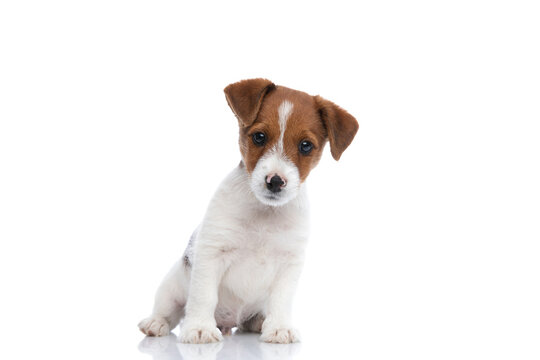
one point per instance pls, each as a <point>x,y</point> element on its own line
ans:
<point>266,123</point>
<point>303,123</point>
<point>341,125</point>
<point>245,98</point>
<point>256,103</point>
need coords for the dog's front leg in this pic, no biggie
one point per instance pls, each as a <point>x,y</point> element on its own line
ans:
<point>277,326</point>
<point>199,324</point>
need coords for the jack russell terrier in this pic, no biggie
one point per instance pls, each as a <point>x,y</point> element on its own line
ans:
<point>242,264</point>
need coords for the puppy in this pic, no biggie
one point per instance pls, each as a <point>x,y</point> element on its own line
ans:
<point>243,262</point>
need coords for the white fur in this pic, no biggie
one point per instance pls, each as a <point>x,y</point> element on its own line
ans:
<point>284,111</point>
<point>247,257</point>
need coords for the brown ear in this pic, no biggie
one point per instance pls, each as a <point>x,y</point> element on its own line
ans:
<point>340,125</point>
<point>245,98</point>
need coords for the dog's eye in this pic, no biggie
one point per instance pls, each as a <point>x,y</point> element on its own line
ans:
<point>305,147</point>
<point>259,138</point>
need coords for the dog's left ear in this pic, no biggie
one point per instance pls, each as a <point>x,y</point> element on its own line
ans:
<point>340,125</point>
<point>245,98</point>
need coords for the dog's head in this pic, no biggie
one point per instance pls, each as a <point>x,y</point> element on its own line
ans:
<point>282,135</point>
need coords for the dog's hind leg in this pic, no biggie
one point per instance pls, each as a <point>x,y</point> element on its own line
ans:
<point>253,323</point>
<point>169,302</point>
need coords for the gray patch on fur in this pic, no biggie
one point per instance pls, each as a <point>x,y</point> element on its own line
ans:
<point>188,253</point>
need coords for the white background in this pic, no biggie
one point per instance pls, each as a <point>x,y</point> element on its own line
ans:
<point>114,133</point>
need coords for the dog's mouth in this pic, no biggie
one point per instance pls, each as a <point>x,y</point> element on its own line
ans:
<point>272,199</point>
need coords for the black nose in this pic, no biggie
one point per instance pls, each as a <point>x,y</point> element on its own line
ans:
<point>275,184</point>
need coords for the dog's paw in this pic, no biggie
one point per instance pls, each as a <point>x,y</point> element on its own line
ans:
<point>200,335</point>
<point>279,335</point>
<point>154,326</point>
<point>225,330</point>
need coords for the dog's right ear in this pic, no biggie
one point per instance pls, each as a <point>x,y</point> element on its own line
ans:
<point>245,98</point>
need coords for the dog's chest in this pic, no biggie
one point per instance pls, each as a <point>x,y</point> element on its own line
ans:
<point>259,254</point>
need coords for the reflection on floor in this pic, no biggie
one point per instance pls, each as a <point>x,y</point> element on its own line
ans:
<point>239,346</point>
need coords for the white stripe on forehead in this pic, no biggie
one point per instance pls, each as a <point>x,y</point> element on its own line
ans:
<point>284,111</point>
